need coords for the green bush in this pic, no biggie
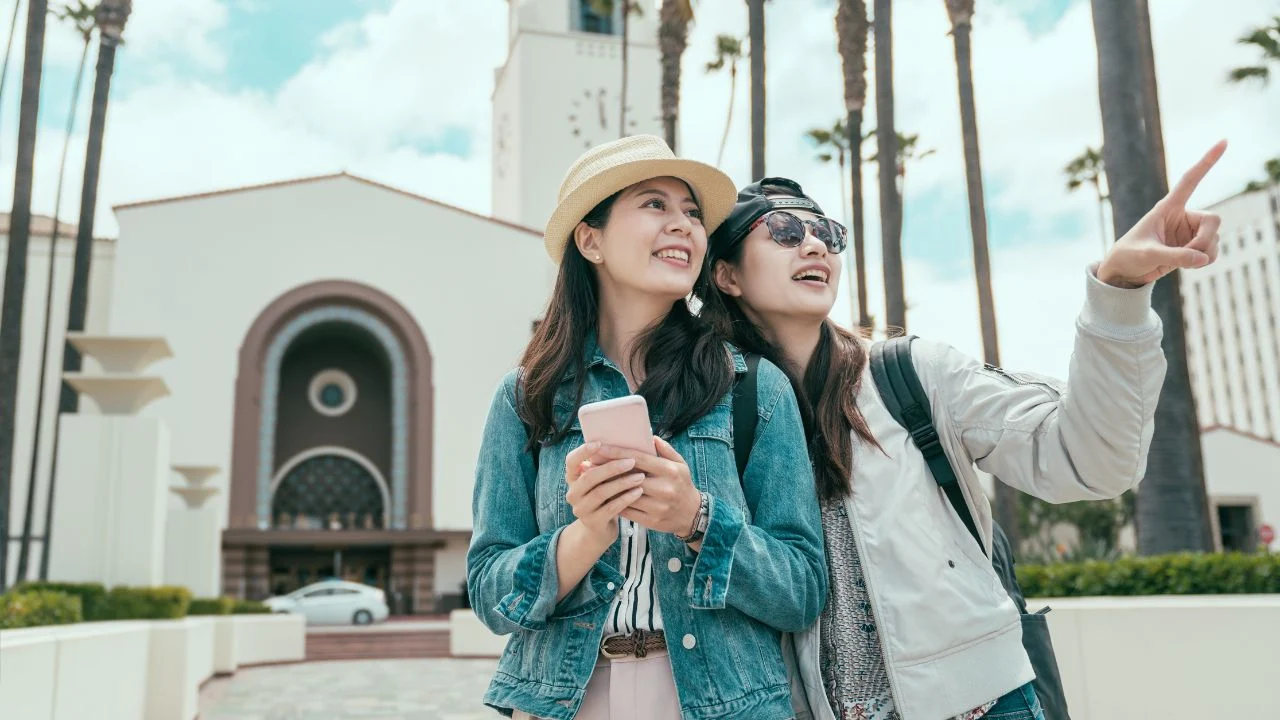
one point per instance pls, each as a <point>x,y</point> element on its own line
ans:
<point>1184,574</point>
<point>249,607</point>
<point>92,595</point>
<point>164,602</point>
<point>211,606</point>
<point>31,608</point>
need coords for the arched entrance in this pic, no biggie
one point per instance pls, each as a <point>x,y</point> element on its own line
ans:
<point>334,379</point>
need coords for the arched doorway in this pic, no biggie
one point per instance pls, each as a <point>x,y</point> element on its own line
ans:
<point>335,378</point>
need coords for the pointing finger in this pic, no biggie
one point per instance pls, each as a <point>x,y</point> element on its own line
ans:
<point>1181,192</point>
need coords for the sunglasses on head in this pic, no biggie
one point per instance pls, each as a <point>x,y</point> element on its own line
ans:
<point>789,230</point>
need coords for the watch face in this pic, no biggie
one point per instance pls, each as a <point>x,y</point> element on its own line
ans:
<point>593,117</point>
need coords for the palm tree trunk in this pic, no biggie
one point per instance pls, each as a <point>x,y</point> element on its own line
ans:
<point>1172,512</point>
<point>111,18</point>
<point>728,119</point>
<point>1102,217</point>
<point>622,102</point>
<point>1151,98</point>
<point>8,48</point>
<point>1006,496</point>
<point>673,38</point>
<point>859,232</point>
<point>15,270</point>
<point>29,510</point>
<point>755,23</point>
<point>887,149</point>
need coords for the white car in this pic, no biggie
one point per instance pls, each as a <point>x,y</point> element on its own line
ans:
<point>334,602</point>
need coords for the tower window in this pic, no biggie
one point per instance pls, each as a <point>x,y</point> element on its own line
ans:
<point>589,19</point>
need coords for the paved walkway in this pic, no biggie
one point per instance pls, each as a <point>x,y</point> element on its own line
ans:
<point>351,690</point>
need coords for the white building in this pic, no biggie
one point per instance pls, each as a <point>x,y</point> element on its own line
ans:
<point>1233,344</point>
<point>336,342</point>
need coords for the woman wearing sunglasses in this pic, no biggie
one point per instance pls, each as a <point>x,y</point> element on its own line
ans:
<point>917,625</point>
<point>641,585</point>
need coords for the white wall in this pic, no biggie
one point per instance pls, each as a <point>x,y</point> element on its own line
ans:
<point>193,548</point>
<point>451,566</point>
<point>1238,467</point>
<point>33,311</point>
<point>1167,657</point>
<point>109,502</point>
<point>200,271</point>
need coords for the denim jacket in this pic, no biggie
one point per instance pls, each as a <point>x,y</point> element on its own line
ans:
<point>761,570</point>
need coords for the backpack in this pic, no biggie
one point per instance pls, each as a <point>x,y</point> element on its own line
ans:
<point>899,385</point>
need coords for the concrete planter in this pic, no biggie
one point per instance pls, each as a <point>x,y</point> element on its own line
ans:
<point>468,637</point>
<point>181,660</point>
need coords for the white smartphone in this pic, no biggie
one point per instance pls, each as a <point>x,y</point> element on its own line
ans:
<point>621,422</point>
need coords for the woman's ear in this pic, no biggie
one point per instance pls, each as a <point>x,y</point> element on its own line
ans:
<point>587,239</point>
<point>725,276</point>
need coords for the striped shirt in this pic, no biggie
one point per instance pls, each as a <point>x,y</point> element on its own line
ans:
<point>636,606</point>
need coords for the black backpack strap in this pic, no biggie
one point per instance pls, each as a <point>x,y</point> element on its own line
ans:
<point>904,396</point>
<point>745,414</point>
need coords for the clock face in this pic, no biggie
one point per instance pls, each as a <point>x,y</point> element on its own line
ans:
<point>593,117</point>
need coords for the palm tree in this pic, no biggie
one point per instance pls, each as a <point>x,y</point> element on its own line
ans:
<point>728,52</point>
<point>606,8</point>
<point>908,150</point>
<point>852,27</point>
<point>833,144</point>
<point>1267,40</point>
<point>15,269</point>
<point>673,38</point>
<point>1172,505</point>
<point>1089,168</point>
<point>110,17</point>
<point>960,13</point>
<point>8,48</point>
<point>755,25</point>
<point>895,304</point>
<point>81,15</point>
<point>1272,168</point>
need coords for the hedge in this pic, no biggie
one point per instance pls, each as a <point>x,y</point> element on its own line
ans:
<point>164,602</point>
<point>32,608</point>
<point>1182,574</point>
<point>249,607</point>
<point>92,595</point>
<point>211,606</point>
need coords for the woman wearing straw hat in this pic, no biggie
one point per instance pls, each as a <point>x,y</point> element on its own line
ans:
<point>637,585</point>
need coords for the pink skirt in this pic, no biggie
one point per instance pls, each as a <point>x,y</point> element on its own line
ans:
<point>628,689</point>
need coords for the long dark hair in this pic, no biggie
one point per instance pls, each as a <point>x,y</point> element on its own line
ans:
<point>686,367</point>
<point>827,390</point>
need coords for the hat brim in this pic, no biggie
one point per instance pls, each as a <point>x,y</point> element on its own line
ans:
<point>713,190</point>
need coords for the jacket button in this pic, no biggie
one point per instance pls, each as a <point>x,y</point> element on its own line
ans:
<point>689,642</point>
<point>611,586</point>
<point>951,563</point>
<point>674,565</point>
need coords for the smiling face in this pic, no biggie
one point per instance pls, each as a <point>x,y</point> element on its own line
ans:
<point>652,243</point>
<point>775,284</point>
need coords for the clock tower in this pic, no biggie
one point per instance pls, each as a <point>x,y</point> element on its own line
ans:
<point>559,93</point>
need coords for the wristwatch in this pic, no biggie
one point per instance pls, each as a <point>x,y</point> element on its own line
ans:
<point>700,521</point>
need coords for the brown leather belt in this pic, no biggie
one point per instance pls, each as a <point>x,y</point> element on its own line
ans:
<point>639,644</point>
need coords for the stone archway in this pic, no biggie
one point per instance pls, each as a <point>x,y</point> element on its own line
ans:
<point>252,463</point>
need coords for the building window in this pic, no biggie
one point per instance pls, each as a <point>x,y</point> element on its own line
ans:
<point>1235,528</point>
<point>590,20</point>
<point>332,392</point>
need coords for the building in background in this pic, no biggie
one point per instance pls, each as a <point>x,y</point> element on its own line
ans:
<point>1232,309</point>
<point>337,342</point>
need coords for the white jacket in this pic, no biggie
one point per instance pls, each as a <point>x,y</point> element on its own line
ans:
<point>952,638</point>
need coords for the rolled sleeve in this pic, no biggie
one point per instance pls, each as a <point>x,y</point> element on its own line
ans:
<point>709,583</point>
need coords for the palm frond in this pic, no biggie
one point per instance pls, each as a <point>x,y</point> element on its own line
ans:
<point>1255,72</point>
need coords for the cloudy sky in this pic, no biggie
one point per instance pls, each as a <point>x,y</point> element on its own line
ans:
<point>218,93</point>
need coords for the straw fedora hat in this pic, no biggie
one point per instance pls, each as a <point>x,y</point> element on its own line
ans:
<point>614,166</point>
